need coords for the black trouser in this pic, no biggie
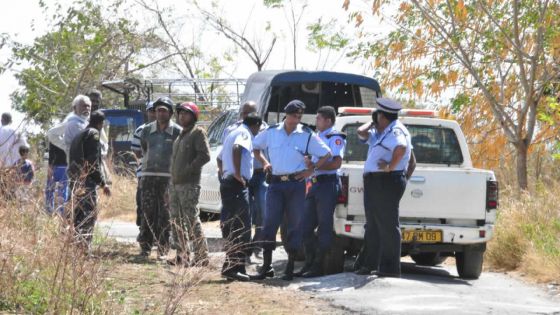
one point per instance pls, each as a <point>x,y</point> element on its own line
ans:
<point>382,239</point>
<point>85,212</point>
<point>235,223</point>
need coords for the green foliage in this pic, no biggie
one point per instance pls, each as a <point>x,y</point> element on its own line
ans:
<point>87,43</point>
<point>273,3</point>
<point>323,35</point>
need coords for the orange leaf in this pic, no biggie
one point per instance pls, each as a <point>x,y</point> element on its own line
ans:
<point>346,4</point>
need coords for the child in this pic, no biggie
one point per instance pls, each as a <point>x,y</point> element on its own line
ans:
<point>24,167</point>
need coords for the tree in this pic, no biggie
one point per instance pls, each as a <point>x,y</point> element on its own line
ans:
<point>293,16</point>
<point>254,49</point>
<point>323,37</point>
<point>505,54</point>
<point>86,46</point>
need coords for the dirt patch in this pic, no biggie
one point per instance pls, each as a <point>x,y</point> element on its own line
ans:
<point>149,286</point>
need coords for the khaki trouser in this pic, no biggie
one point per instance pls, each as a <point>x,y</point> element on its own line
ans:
<point>185,220</point>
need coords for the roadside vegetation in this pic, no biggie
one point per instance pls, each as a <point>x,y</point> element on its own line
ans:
<point>527,235</point>
<point>43,271</point>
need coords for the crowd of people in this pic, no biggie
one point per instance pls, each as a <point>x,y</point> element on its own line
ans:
<point>286,173</point>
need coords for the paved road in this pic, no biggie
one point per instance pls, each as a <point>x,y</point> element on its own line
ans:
<point>421,290</point>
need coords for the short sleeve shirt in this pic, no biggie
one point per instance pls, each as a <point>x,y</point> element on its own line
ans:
<point>382,145</point>
<point>287,152</point>
<point>240,136</point>
<point>336,144</point>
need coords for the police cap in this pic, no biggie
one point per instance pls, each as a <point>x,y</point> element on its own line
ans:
<point>294,107</point>
<point>388,105</point>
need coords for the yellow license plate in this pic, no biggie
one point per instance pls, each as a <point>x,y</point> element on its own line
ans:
<point>421,236</point>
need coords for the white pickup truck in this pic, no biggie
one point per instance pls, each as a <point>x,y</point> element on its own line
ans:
<point>448,208</point>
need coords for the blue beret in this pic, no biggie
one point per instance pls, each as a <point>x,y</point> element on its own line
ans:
<point>388,105</point>
<point>294,106</point>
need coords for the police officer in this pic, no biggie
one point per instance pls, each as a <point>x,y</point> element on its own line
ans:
<point>287,144</point>
<point>85,168</point>
<point>384,184</point>
<point>236,162</point>
<point>257,184</point>
<point>321,197</point>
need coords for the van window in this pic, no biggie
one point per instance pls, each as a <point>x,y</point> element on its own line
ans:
<point>216,129</point>
<point>315,95</point>
<point>432,144</point>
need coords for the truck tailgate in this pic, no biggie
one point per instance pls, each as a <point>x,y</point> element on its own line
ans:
<point>432,192</point>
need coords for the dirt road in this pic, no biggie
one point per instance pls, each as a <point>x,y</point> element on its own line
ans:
<point>421,290</point>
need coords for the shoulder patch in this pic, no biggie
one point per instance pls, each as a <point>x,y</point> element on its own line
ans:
<point>397,132</point>
<point>336,133</point>
<point>338,141</point>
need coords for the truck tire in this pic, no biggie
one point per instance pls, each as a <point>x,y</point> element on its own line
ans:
<point>334,258</point>
<point>469,263</point>
<point>428,259</point>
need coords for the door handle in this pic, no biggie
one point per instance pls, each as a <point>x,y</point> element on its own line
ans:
<point>418,179</point>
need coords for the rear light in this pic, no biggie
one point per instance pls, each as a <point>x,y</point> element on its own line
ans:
<point>418,113</point>
<point>491,194</point>
<point>481,233</point>
<point>347,228</point>
<point>343,194</point>
<point>355,110</point>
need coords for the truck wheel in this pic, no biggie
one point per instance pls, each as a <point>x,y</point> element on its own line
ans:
<point>469,263</point>
<point>334,258</point>
<point>428,259</point>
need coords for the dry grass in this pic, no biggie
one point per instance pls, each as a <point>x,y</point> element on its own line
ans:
<point>527,235</point>
<point>122,203</point>
<point>42,269</point>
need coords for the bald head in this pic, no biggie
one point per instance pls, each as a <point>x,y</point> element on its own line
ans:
<point>247,108</point>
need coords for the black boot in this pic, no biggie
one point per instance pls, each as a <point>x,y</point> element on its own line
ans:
<point>309,257</point>
<point>266,270</point>
<point>316,269</point>
<point>289,271</point>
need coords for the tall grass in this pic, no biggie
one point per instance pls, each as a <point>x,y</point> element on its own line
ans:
<point>527,234</point>
<point>41,267</point>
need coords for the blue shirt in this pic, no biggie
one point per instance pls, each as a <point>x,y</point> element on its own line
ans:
<point>382,145</point>
<point>240,136</point>
<point>256,163</point>
<point>336,143</point>
<point>287,152</point>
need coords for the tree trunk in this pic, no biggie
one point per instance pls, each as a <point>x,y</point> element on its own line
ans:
<point>522,149</point>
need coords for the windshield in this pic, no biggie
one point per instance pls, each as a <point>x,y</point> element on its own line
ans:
<point>432,144</point>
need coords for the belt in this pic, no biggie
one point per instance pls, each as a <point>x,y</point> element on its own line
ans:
<point>324,178</point>
<point>284,178</point>
<point>381,174</point>
<point>231,178</point>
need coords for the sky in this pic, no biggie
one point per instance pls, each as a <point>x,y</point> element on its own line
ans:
<point>16,20</point>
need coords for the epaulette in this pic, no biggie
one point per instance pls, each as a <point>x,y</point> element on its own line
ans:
<point>273,126</point>
<point>336,133</point>
<point>306,128</point>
